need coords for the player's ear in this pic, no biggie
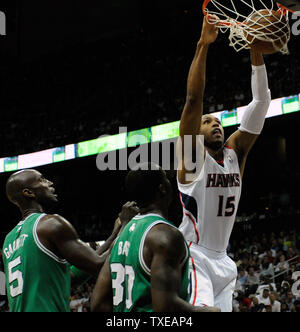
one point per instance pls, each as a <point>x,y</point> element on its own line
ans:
<point>28,193</point>
<point>162,189</point>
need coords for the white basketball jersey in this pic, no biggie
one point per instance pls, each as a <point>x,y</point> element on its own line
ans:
<point>210,203</point>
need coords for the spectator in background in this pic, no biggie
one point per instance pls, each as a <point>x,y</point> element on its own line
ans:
<point>280,245</point>
<point>253,261</point>
<point>290,300</point>
<point>282,265</point>
<point>284,307</point>
<point>268,308</point>
<point>76,305</point>
<point>267,283</point>
<point>242,276</point>
<point>241,303</point>
<point>266,267</point>
<point>264,298</point>
<point>291,253</point>
<point>275,305</point>
<point>284,289</point>
<point>80,297</point>
<point>255,305</point>
<point>252,281</point>
<point>296,307</point>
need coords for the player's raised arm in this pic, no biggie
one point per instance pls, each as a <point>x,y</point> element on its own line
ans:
<point>191,116</point>
<point>254,117</point>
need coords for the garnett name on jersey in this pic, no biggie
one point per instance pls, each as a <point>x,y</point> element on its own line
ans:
<point>223,180</point>
<point>17,244</point>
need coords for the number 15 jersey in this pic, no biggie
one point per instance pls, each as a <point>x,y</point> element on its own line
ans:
<point>210,202</point>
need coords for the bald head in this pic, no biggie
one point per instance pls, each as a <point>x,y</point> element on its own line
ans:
<point>18,182</point>
<point>28,185</point>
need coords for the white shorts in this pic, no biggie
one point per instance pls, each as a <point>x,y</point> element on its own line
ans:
<point>213,278</point>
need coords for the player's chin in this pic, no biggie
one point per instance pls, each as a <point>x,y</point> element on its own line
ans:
<point>217,143</point>
<point>51,198</point>
<point>217,139</point>
<point>54,198</point>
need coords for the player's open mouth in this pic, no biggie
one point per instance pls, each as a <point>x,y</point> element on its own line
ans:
<point>217,132</point>
<point>52,189</point>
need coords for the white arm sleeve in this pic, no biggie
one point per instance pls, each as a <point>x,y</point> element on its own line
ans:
<point>254,116</point>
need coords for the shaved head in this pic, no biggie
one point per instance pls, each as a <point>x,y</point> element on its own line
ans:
<point>18,182</point>
<point>28,185</point>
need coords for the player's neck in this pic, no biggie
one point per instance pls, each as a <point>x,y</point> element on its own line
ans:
<point>216,154</point>
<point>32,208</point>
<point>155,209</point>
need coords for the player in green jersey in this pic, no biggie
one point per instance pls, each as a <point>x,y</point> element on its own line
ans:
<point>38,252</point>
<point>148,268</point>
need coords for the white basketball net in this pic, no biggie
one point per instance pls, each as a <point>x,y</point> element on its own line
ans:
<point>234,15</point>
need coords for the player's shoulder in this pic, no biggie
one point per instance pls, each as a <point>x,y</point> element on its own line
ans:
<point>54,223</point>
<point>53,218</point>
<point>165,235</point>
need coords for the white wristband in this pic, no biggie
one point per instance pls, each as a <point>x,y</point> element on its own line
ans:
<point>259,83</point>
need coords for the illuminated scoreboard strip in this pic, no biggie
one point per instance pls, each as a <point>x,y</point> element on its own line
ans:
<point>124,139</point>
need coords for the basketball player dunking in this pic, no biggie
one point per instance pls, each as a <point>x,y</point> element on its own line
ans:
<point>210,195</point>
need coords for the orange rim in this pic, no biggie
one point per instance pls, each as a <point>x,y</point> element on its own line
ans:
<point>204,5</point>
<point>283,8</point>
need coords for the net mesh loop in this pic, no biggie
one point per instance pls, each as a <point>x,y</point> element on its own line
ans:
<point>238,17</point>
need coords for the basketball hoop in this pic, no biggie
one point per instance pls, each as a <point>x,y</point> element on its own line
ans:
<point>237,17</point>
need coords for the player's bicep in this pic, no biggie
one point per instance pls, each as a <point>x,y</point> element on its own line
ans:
<point>65,238</point>
<point>190,121</point>
<point>169,251</point>
<point>165,281</point>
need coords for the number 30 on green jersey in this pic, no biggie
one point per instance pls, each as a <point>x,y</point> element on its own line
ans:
<point>122,273</point>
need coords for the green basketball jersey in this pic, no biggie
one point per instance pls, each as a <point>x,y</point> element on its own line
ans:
<point>130,275</point>
<point>36,279</point>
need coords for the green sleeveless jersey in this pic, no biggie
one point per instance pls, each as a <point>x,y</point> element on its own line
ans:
<point>36,279</point>
<point>130,275</point>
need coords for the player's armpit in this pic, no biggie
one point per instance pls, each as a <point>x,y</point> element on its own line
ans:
<point>241,142</point>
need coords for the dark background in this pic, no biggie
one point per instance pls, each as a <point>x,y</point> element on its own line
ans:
<point>75,70</point>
